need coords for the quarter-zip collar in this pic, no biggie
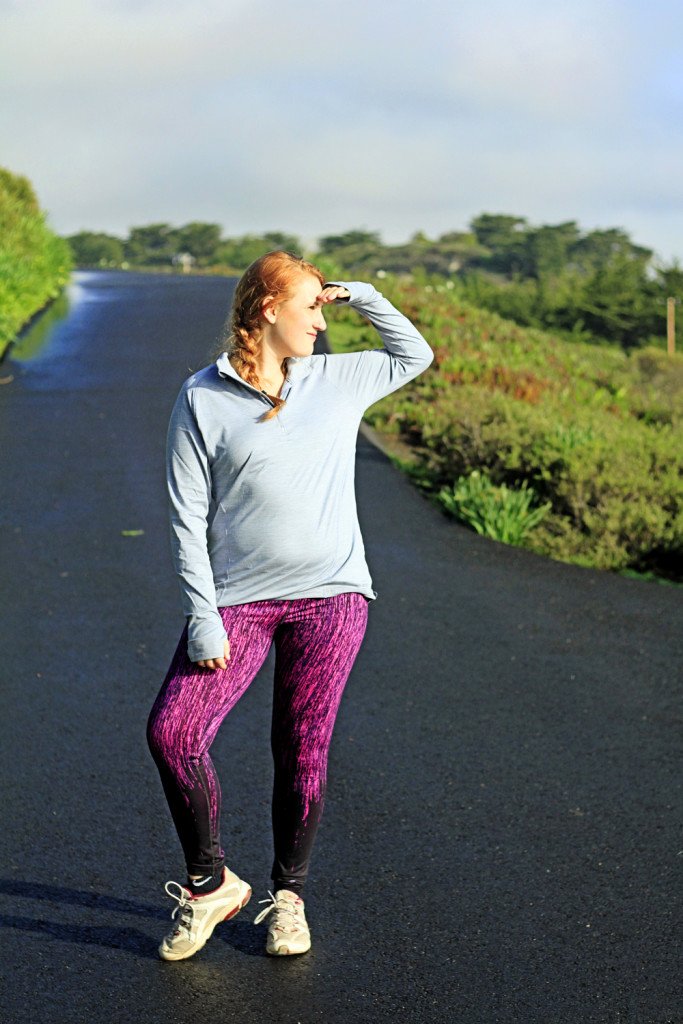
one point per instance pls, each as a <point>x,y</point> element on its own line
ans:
<point>298,367</point>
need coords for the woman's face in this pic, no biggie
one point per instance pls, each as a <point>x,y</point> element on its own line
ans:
<point>297,319</point>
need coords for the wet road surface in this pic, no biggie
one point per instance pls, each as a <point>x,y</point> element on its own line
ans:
<point>502,833</point>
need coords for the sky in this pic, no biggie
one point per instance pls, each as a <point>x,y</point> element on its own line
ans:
<point>318,118</point>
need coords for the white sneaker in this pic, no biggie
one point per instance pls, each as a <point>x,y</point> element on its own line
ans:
<point>287,930</point>
<point>199,915</point>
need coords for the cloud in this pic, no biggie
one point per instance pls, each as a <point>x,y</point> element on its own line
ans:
<point>320,118</point>
<point>543,60</point>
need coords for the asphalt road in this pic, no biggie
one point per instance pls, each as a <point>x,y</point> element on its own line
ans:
<point>502,834</point>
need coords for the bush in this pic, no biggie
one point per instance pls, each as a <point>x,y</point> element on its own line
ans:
<point>498,512</point>
<point>35,264</point>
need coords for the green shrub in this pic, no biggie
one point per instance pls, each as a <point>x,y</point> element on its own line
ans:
<point>499,512</point>
<point>35,264</point>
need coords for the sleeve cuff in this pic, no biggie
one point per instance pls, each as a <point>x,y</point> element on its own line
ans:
<point>361,292</point>
<point>207,646</point>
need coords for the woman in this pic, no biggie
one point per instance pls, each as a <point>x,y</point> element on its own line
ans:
<point>267,547</point>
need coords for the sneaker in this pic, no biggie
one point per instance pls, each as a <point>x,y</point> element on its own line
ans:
<point>287,930</point>
<point>199,915</point>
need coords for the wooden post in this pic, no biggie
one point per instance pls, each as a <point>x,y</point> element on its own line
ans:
<point>670,325</point>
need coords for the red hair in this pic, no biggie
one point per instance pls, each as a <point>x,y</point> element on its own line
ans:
<point>275,276</point>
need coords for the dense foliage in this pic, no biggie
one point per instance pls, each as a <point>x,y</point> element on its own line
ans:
<point>594,432</point>
<point>161,246</point>
<point>591,286</point>
<point>34,262</point>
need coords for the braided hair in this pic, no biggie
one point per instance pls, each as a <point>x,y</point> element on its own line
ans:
<point>272,275</point>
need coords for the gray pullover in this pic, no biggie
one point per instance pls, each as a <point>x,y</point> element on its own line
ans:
<point>267,510</point>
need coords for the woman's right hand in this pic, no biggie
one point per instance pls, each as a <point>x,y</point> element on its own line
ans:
<point>216,663</point>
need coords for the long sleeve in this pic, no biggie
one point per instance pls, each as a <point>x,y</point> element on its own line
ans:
<point>370,375</point>
<point>188,478</point>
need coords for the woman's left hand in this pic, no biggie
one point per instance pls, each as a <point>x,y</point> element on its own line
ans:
<point>331,293</point>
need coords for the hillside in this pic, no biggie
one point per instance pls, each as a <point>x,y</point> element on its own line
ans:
<point>510,419</point>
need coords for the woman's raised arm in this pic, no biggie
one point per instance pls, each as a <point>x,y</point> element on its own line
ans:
<point>369,375</point>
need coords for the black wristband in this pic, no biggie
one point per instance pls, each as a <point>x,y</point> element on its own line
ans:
<point>340,298</point>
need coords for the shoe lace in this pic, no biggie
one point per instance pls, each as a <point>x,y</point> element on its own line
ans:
<point>184,909</point>
<point>264,913</point>
<point>282,907</point>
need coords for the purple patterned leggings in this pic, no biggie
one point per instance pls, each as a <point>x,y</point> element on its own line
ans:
<point>316,643</point>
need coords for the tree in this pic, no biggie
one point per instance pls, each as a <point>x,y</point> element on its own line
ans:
<point>498,230</point>
<point>19,188</point>
<point>238,253</point>
<point>280,240</point>
<point>330,243</point>
<point>618,301</point>
<point>670,280</point>
<point>96,249</point>
<point>200,239</point>
<point>606,248</point>
<point>505,237</point>
<point>464,239</point>
<point>549,247</point>
<point>154,243</point>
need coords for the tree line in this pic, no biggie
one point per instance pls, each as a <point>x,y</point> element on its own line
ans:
<point>595,286</point>
<point>160,245</point>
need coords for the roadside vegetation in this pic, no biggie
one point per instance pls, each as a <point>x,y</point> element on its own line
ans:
<point>568,449</point>
<point>35,263</point>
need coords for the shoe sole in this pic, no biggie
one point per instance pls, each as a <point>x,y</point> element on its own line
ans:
<point>171,956</point>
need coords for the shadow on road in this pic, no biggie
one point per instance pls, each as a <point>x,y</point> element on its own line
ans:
<point>238,934</point>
